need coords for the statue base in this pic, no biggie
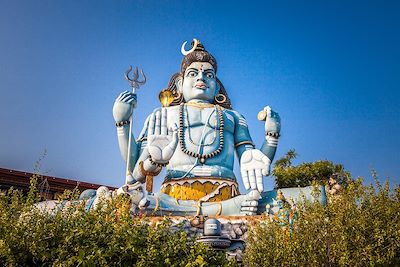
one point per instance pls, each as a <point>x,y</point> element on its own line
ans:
<point>233,231</point>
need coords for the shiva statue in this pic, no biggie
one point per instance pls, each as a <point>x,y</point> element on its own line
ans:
<point>195,135</point>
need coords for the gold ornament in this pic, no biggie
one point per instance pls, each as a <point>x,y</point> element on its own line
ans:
<point>220,98</point>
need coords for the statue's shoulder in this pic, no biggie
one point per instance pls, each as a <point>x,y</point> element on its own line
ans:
<point>236,115</point>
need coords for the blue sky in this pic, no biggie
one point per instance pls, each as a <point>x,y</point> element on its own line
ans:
<point>330,69</point>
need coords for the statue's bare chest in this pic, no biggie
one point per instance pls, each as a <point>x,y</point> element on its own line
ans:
<point>201,119</point>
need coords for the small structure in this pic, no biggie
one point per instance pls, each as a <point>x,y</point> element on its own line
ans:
<point>50,187</point>
<point>212,235</point>
<point>214,238</point>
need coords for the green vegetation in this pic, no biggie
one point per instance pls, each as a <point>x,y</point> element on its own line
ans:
<point>359,227</point>
<point>107,237</point>
<point>306,174</point>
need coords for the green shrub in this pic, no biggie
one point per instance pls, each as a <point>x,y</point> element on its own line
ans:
<point>358,227</point>
<point>306,174</point>
<point>108,237</point>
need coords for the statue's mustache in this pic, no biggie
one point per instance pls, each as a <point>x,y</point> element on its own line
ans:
<point>200,84</point>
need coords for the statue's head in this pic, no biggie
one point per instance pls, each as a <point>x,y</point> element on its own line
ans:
<point>197,79</point>
<point>281,200</point>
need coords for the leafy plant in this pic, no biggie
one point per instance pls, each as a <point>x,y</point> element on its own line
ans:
<point>104,237</point>
<point>359,227</point>
<point>306,174</point>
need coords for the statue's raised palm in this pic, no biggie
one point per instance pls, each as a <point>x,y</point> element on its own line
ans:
<point>161,141</point>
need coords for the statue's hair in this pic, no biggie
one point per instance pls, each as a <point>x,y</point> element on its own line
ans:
<point>198,55</point>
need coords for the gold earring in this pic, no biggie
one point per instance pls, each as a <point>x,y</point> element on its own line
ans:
<point>220,98</point>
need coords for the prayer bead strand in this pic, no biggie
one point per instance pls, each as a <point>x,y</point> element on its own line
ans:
<point>202,157</point>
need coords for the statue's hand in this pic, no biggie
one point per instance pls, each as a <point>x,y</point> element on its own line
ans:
<point>250,205</point>
<point>272,121</point>
<point>161,141</point>
<point>135,193</point>
<point>253,165</point>
<point>123,106</point>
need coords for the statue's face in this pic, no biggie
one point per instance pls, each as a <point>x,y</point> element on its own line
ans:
<point>199,82</point>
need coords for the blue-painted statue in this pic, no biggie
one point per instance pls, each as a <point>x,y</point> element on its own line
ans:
<point>195,135</point>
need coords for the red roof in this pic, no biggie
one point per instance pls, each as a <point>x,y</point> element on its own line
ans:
<point>19,179</point>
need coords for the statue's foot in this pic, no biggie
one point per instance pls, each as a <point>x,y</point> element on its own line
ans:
<point>250,205</point>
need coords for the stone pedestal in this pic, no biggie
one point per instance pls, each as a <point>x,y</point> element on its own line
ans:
<point>230,235</point>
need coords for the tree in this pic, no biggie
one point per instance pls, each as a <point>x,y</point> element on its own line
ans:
<point>306,174</point>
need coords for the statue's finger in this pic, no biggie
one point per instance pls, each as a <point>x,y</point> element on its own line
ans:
<point>172,130</point>
<point>121,95</point>
<point>157,129</point>
<point>167,153</point>
<point>126,93</point>
<point>259,179</point>
<point>250,203</point>
<point>164,129</point>
<point>174,141</point>
<point>169,150</point>
<point>266,160</point>
<point>245,178</point>
<point>151,125</point>
<point>253,195</point>
<point>249,209</point>
<point>247,213</point>
<point>265,172</point>
<point>130,100</point>
<point>155,152</point>
<point>268,110</point>
<point>252,179</point>
<point>127,96</point>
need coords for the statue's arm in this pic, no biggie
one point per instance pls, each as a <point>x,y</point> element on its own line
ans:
<point>147,166</point>
<point>272,132</point>
<point>254,164</point>
<point>137,146</point>
<point>122,111</point>
<point>242,136</point>
<point>268,149</point>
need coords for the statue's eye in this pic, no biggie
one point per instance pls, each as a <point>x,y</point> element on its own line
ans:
<point>210,75</point>
<point>192,74</point>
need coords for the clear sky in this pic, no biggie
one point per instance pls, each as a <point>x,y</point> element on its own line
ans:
<point>331,70</point>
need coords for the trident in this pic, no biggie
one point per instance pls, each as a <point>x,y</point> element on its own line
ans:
<point>135,84</point>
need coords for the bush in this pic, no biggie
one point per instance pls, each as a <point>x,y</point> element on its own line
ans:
<point>306,174</point>
<point>108,237</point>
<point>358,227</point>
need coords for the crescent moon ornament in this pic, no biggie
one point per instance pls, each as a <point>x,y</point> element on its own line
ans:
<point>184,52</point>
